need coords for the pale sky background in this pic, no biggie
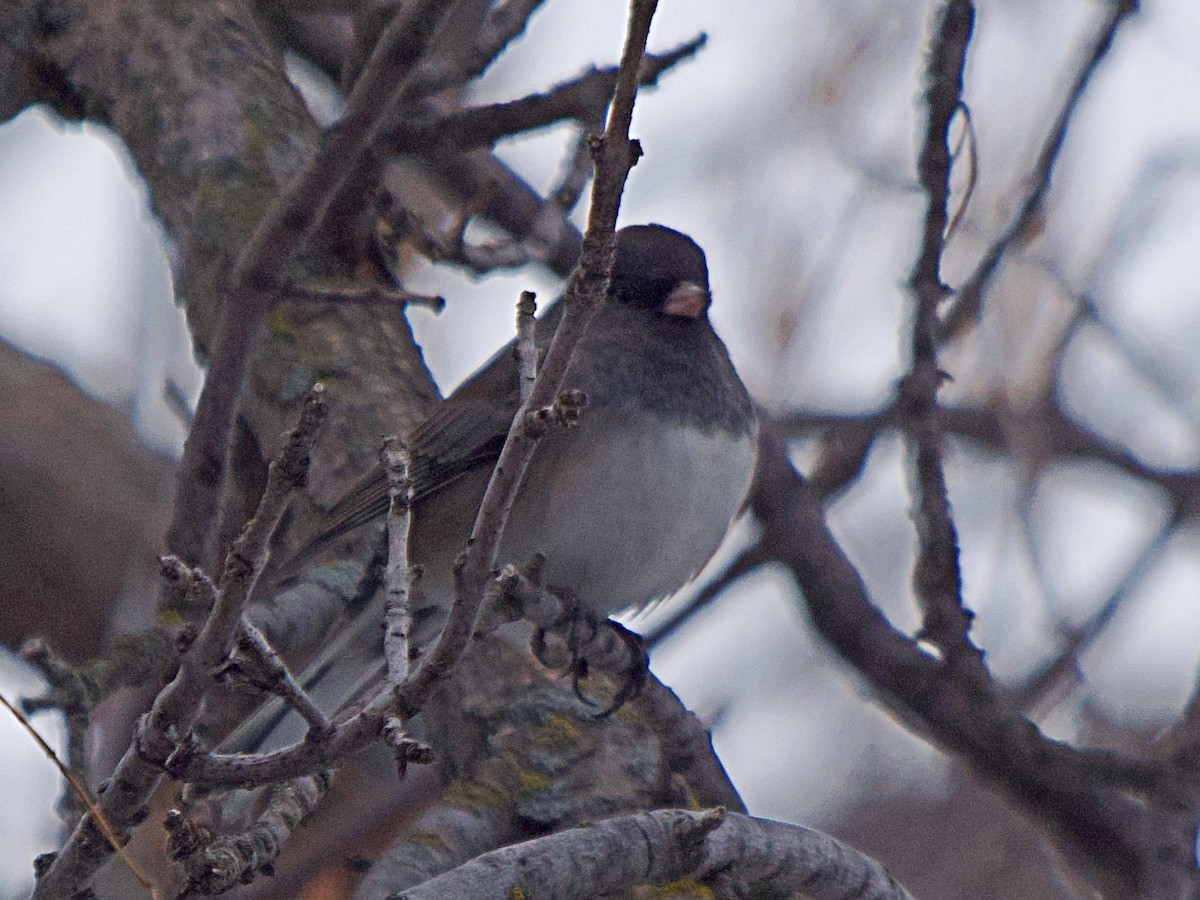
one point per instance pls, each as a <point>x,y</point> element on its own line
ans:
<point>788,157</point>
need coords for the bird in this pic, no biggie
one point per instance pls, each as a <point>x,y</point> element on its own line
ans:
<point>624,508</point>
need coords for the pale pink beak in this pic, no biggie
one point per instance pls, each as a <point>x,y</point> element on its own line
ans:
<point>688,300</point>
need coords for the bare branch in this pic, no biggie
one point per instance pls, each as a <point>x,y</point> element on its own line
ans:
<point>1069,790</point>
<point>582,99</point>
<point>217,865</point>
<point>575,174</point>
<point>276,679</point>
<point>68,692</point>
<point>78,789</point>
<point>209,771</point>
<point>743,564</point>
<point>505,22</point>
<point>336,291</point>
<point>969,300</point>
<point>156,744</point>
<point>936,578</point>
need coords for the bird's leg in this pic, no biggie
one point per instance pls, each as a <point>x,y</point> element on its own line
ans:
<point>579,663</point>
<point>635,673</point>
<point>571,615</point>
<point>585,635</point>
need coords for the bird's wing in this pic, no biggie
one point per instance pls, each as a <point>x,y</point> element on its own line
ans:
<point>466,431</point>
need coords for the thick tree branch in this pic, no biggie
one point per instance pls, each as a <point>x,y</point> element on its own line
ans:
<point>740,855</point>
<point>1075,793</point>
<point>264,262</point>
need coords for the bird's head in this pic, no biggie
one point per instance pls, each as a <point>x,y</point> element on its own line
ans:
<point>659,269</point>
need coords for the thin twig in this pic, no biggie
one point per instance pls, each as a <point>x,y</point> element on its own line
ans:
<point>1042,682</point>
<point>566,196</point>
<point>494,192</point>
<point>72,692</point>
<point>505,23</point>
<point>365,294</point>
<point>177,402</point>
<point>743,564</point>
<point>614,155</point>
<point>937,579</point>
<point>398,579</point>
<point>969,300</point>
<point>970,143</point>
<point>277,679</point>
<point>161,740</point>
<point>81,791</point>
<point>391,80</point>
<point>582,99</point>
<point>210,771</point>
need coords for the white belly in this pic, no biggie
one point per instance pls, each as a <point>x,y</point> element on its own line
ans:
<point>645,512</point>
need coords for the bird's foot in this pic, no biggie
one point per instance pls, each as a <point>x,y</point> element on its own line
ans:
<point>600,645</point>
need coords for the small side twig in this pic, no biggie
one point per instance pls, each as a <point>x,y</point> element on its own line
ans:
<point>69,693</point>
<point>1065,664</point>
<point>406,750</point>
<point>570,187</point>
<point>504,23</point>
<point>79,789</point>
<point>211,771</point>
<point>276,678</point>
<point>398,579</point>
<point>743,564</point>
<point>177,402</point>
<point>582,99</point>
<point>345,291</point>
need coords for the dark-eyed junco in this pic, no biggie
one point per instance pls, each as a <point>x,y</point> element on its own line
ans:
<point>628,505</point>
